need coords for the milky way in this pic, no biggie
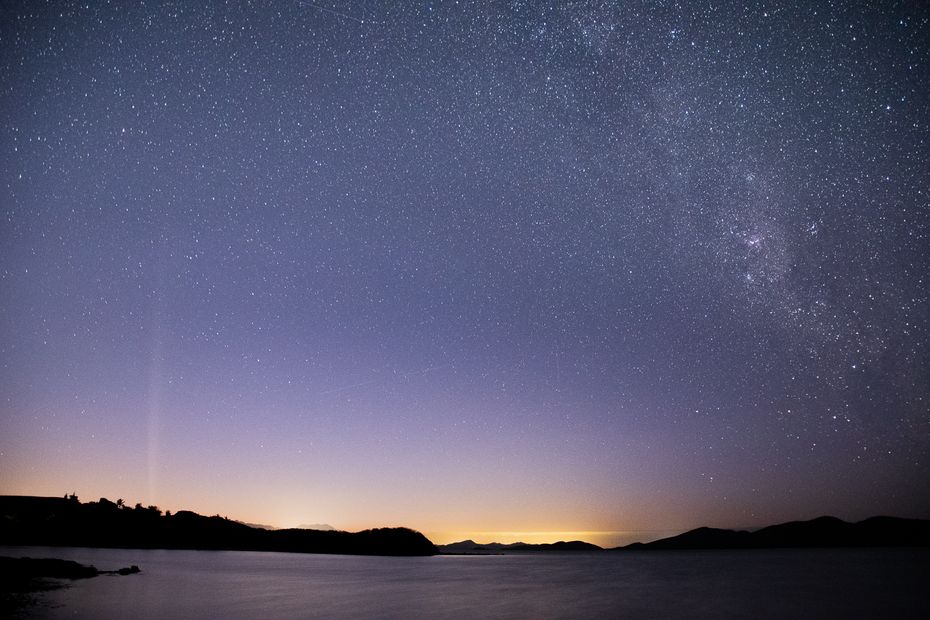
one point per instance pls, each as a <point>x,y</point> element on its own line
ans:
<point>633,265</point>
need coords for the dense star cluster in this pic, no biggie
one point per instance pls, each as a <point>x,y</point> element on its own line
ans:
<point>632,264</point>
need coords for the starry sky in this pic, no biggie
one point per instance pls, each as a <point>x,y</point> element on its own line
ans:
<point>600,270</point>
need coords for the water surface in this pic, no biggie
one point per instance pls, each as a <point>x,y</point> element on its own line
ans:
<point>845,583</point>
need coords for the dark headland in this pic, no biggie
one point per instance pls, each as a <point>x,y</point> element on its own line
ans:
<point>67,522</point>
<point>819,532</point>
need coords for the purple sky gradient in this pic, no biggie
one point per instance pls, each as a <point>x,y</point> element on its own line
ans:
<point>472,268</point>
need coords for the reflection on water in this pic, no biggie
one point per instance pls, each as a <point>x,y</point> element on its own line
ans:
<point>710,584</point>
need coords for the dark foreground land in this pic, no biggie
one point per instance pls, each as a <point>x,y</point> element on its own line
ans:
<point>22,578</point>
<point>67,522</point>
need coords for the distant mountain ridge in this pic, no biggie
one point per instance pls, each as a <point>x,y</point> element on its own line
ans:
<point>54,521</point>
<point>315,526</point>
<point>819,532</point>
<point>470,546</point>
<point>66,522</point>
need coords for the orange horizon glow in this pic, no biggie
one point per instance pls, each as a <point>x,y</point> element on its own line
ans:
<point>605,539</point>
<point>252,513</point>
<point>497,519</point>
<point>509,274</point>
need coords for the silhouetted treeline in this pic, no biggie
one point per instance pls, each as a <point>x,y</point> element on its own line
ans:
<point>68,522</point>
<point>820,532</point>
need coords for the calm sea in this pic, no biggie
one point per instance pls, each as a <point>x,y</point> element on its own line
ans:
<point>886,583</point>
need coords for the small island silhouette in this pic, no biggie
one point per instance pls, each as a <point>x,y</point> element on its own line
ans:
<point>470,547</point>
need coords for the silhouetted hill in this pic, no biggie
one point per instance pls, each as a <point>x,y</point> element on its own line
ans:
<point>67,522</point>
<point>701,538</point>
<point>470,546</point>
<point>819,532</point>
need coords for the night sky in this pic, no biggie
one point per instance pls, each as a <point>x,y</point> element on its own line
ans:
<point>485,269</point>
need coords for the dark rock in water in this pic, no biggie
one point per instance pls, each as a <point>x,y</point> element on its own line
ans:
<point>132,570</point>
